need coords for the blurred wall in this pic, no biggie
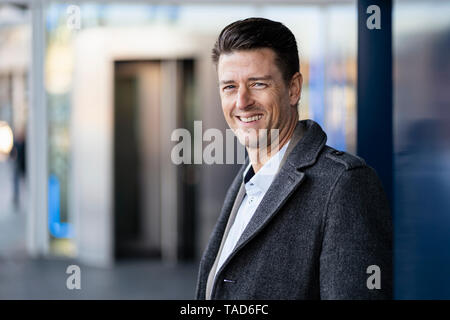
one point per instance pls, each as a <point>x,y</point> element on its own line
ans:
<point>421,38</point>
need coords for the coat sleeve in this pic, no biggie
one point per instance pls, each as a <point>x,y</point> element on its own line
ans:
<point>356,255</point>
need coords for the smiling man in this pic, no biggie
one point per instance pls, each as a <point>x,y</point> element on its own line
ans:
<point>303,221</point>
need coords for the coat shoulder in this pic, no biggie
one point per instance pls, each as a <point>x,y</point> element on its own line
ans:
<point>342,158</point>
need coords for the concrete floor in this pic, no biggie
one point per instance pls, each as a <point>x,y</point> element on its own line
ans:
<point>46,279</point>
<point>22,277</point>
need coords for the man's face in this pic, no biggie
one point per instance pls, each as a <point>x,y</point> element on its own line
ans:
<point>254,94</point>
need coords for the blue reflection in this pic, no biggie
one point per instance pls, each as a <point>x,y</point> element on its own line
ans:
<point>422,151</point>
<point>57,228</point>
<point>317,90</point>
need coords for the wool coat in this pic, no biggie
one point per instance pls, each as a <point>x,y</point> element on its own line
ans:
<point>323,230</point>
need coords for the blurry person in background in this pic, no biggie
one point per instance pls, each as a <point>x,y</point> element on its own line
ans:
<point>317,227</point>
<point>18,156</point>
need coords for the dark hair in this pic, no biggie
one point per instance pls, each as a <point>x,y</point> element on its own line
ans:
<point>257,33</point>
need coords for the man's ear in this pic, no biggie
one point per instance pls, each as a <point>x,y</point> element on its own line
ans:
<point>295,89</point>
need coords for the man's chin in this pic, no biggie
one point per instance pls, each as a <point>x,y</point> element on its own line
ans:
<point>250,141</point>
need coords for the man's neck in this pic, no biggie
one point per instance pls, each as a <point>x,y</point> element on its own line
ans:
<point>259,157</point>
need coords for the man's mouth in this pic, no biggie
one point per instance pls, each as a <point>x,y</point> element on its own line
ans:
<point>256,117</point>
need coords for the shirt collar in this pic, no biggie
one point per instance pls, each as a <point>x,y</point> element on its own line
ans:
<point>261,181</point>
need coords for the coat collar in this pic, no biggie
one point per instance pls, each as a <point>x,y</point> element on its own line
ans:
<point>311,140</point>
<point>260,182</point>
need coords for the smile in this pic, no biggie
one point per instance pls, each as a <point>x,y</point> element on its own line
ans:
<point>250,119</point>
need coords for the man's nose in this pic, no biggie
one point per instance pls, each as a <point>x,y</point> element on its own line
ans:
<point>243,99</point>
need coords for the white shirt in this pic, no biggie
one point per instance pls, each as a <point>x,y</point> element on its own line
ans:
<point>255,189</point>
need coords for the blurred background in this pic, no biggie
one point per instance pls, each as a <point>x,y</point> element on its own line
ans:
<point>90,92</point>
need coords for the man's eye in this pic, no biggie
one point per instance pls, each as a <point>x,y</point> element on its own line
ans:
<point>226,88</point>
<point>259,85</point>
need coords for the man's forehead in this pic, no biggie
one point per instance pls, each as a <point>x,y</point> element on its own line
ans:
<point>256,63</point>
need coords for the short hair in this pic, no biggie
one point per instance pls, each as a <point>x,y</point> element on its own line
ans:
<point>258,33</point>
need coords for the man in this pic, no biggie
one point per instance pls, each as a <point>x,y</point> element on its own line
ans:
<point>319,226</point>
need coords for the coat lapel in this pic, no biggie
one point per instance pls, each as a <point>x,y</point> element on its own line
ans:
<point>308,141</point>
<point>219,229</point>
<point>287,180</point>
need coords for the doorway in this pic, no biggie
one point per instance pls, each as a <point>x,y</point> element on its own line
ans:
<point>154,200</point>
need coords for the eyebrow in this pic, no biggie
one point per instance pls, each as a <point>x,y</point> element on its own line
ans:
<point>267,77</point>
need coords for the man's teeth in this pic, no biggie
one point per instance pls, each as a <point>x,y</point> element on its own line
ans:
<point>254,118</point>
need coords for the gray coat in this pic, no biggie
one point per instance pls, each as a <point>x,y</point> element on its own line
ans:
<point>324,220</point>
